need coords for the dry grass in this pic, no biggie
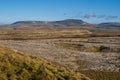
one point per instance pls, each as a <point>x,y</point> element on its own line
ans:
<point>18,66</point>
<point>83,48</point>
<point>101,75</point>
<point>42,34</point>
<point>52,33</point>
<point>106,34</point>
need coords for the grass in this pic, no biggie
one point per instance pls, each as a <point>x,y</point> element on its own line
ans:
<point>42,34</point>
<point>54,33</point>
<point>104,29</point>
<point>101,75</point>
<point>83,48</point>
<point>15,65</point>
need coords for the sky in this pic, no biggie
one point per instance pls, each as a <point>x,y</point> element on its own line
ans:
<point>92,11</point>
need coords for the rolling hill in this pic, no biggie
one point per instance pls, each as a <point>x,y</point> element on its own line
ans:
<point>66,22</point>
<point>62,24</point>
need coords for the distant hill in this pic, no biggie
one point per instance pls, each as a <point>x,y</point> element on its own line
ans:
<point>110,24</point>
<point>15,65</point>
<point>62,22</point>
<point>55,24</point>
<point>68,23</point>
<point>27,22</point>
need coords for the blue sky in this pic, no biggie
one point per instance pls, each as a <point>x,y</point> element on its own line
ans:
<point>93,11</point>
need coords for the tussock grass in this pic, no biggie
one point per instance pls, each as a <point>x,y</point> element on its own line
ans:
<point>15,65</point>
<point>101,75</point>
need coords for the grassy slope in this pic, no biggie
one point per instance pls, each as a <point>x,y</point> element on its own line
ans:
<point>15,65</point>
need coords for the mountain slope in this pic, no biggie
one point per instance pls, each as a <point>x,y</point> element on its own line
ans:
<point>62,22</point>
<point>70,22</point>
<point>53,24</point>
<point>15,65</point>
<point>110,24</point>
<point>27,22</point>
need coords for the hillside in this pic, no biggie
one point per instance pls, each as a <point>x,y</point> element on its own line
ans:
<point>27,22</point>
<point>110,24</point>
<point>66,22</point>
<point>62,24</point>
<point>19,66</point>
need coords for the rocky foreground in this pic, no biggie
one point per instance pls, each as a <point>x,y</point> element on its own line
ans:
<point>101,55</point>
